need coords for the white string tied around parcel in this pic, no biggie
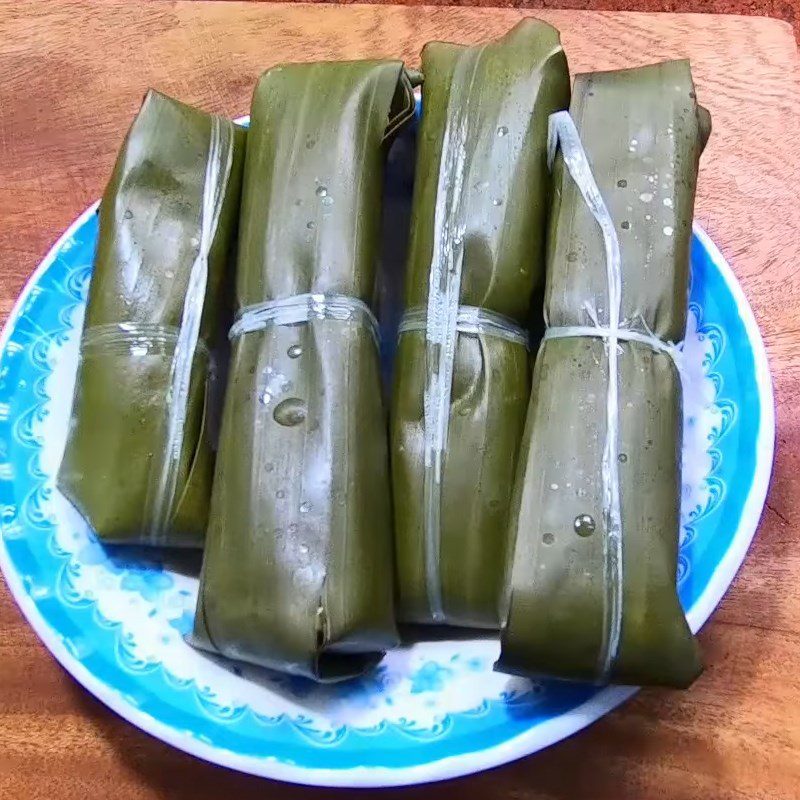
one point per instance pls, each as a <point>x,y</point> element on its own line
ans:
<point>163,480</point>
<point>470,319</point>
<point>300,308</point>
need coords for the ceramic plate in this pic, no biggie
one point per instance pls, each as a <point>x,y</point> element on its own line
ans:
<point>116,619</point>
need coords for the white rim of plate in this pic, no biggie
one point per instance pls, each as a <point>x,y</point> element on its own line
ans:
<point>539,737</point>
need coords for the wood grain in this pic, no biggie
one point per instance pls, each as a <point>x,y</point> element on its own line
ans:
<point>787,10</point>
<point>73,76</point>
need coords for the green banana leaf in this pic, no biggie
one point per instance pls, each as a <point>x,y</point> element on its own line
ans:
<point>643,134</point>
<point>116,468</point>
<point>487,105</point>
<point>297,571</point>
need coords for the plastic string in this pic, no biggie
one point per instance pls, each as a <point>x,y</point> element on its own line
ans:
<point>164,481</point>
<point>623,334</point>
<point>470,319</point>
<point>133,338</point>
<point>562,132</point>
<point>301,308</point>
<point>444,290</point>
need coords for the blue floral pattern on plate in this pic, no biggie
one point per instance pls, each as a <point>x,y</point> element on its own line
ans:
<point>116,619</point>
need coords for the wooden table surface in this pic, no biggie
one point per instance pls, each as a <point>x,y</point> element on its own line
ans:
<point>73,74</point>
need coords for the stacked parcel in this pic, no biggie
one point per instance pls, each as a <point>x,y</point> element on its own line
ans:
<point>298,562</point>
<point>597,498</point>
<point>476,256</point>
<point>139,459</point>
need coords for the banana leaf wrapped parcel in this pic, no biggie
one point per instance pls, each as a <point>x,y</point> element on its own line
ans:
<point>297,570</point>
<point>138,462</point>
<point>476,255</point>
<point>596,511</point>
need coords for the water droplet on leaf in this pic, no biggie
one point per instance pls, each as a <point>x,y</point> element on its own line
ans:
<point>584,525</point>
<point>290,412</point>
